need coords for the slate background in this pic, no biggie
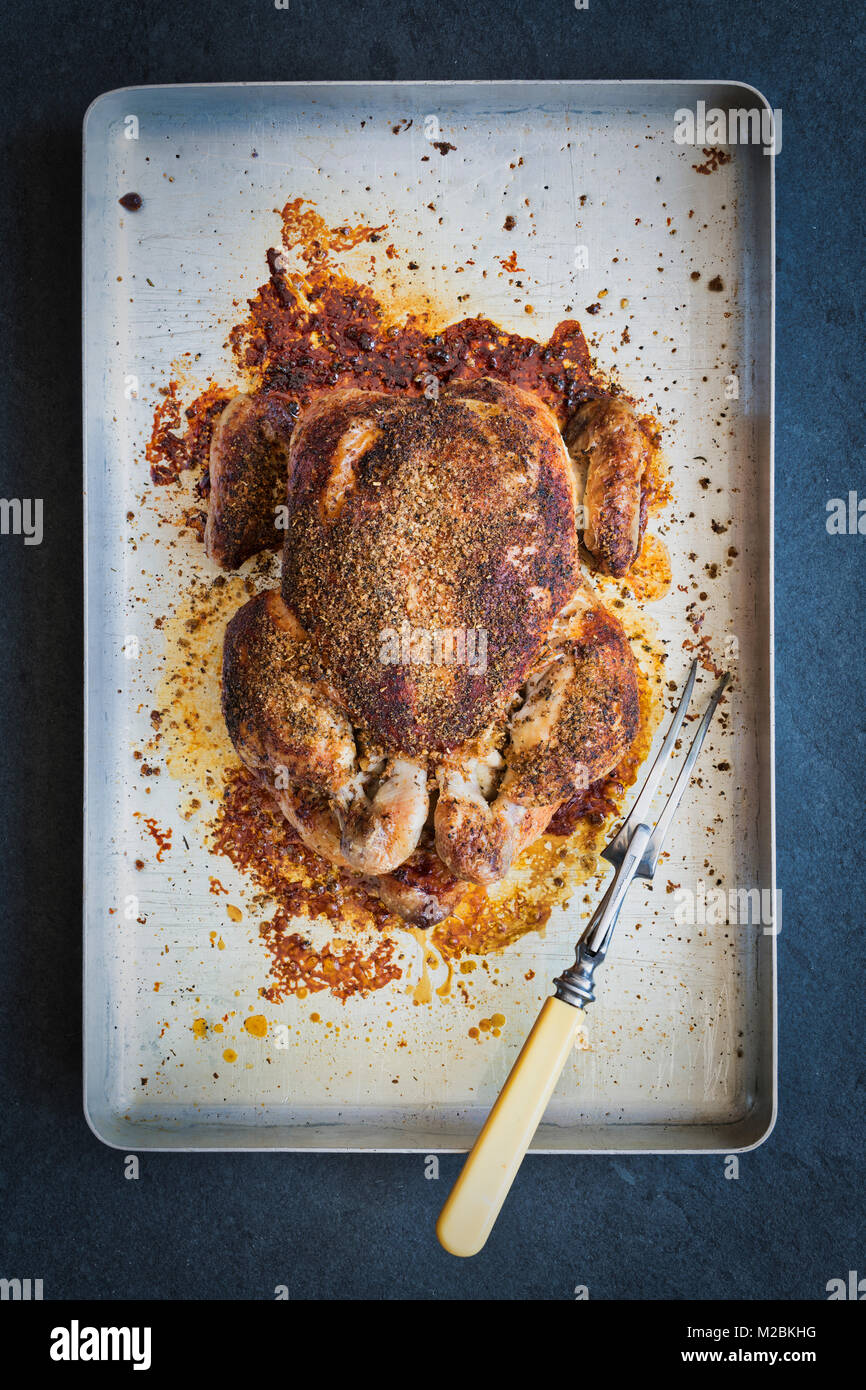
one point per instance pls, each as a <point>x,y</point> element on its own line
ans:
<point>233,1226</point>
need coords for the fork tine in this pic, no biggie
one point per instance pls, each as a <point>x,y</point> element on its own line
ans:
<point>618,846</point>
<point>650,856</point>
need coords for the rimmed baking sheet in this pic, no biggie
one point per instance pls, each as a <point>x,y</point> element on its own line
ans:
<point>605,198</point>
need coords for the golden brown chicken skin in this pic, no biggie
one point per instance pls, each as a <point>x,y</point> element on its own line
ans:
<point>421,890</point>
<point>249,457</point>
<point>606,441</point>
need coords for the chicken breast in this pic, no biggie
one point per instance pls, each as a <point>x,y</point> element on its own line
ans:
<point>429,546</point>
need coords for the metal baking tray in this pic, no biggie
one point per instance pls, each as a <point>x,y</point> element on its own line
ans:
<point>683,1052</point>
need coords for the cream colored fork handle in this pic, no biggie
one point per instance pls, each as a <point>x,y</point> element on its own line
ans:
<point>469,1214</point>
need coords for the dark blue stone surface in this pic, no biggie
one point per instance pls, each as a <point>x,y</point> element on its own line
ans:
<point>234,1226</point>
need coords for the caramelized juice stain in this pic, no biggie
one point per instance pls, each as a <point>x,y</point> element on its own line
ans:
<point>649,578</point>
<point>192,731</point>
<point>313,327</point>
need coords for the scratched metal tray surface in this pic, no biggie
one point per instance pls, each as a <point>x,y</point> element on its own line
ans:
<point>682,1054</point>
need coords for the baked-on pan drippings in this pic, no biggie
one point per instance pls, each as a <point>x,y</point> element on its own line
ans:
<point>472,797</point>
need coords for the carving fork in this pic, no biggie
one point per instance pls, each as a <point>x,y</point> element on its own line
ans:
<point>477,1197</point>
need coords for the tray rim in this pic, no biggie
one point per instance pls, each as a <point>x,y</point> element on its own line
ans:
<point>769,1103</point>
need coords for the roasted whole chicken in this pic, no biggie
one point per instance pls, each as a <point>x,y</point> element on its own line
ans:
<point>435,677</point>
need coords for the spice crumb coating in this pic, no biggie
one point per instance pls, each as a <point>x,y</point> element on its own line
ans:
<point>457,515</point>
